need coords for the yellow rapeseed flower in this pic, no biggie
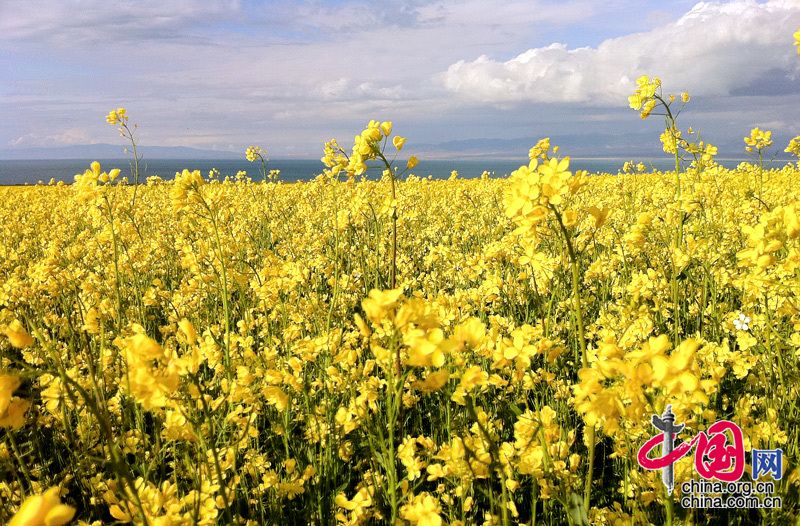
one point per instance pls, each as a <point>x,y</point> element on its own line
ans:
<point>758,139</point>
<point>643,97</point>
<point>8,384</point>
<point>117,116</point>
<point>253,153</point>
<point>43,510</point>
<point>14,417</point>
<point>540,149</point>
<point>797,40</point>
<point>794,146</point>
<point>379,303</point>
<point>17,335</point>
<point>423,510</point>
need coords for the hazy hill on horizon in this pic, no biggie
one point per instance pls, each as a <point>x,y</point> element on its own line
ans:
<point>599,146</point>
<point>113,151</point>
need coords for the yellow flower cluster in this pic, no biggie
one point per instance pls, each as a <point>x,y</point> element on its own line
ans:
<point>17,335</point>
<point>94,176</point>
<point>633,167</point>
<point>541,149</point>
<point>150,380</point>
<point>797,40</point>
<point>186,189</point>
<point>253,153</point>
<point>758,140</point>
<point>537,187</point>
<point>647,95</point>
<point>117,116</point>
<point>43,510</point>
<point>366,146</point>
<point>12,408</point>
<point>794,146</point>
<point>618,387</point>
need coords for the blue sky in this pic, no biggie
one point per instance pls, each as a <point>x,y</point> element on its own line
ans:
<point>289,75</point>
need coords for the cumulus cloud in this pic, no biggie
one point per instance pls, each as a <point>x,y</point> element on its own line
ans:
<point>345,89</point>
<point>714,49</point>
<point>64,138</point>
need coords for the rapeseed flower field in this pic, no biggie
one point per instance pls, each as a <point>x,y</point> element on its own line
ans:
<point>372,347</point>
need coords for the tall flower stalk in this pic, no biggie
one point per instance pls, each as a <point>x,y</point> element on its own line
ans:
<point>649,99</point>
<point>370,145</point>
<point>757,144</point>
<point>256,153</point>
<point>119,117</point>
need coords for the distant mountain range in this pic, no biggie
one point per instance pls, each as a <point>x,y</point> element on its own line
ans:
<point>114,151</point>
<point>575,145</point>
<point>595,146</point>
<point>590,146</point>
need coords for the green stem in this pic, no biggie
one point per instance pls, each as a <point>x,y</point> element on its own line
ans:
<point>135,163</point>
<point>494,455</point>
<point>121,468</point>
<point>225,307</point>
<point>673,126</point>
<point>390,464</point>
<point>668,507</point>
<point>587,488</point>
<point>576,298</point>
<point>115,245</point>
<point>263,168</point>
<point>18,456</point>
<point>577,310</point>
<point>393,270</point>
<point>213,447</point>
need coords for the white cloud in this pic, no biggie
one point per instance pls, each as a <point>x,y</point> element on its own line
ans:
<point>96,20</point>
<point>64,138</point>
<point>477,14</point>
<point>344,89</point>
<point>713,49</point>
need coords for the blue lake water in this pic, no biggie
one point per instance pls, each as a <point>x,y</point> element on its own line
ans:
<point>14,172</point>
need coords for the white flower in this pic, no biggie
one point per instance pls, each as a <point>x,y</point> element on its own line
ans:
<point>742,323</point>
